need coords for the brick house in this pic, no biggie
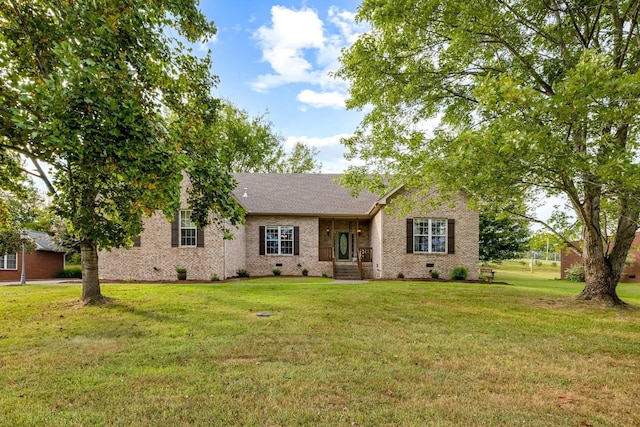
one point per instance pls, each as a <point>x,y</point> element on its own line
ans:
<point>297,222</point>
<point>630,272</point>
<point>43,263</point>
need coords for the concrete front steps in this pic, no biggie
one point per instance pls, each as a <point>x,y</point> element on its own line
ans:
<point>346,271</point>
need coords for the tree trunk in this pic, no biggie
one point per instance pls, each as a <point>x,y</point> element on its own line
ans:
<point>601,277</point>
<point>90,280</point>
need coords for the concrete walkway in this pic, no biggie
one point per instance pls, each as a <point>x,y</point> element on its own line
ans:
<point>79,282</point>
<point>44,282</point>
<point>350,282</point>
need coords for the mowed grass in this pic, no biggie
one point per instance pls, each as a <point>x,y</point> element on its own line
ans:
<point>395,353</point>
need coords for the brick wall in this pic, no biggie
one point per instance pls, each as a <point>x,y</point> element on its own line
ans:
<point>235,251</point>
<point>414,265</point>
<point>155,259</point>
<point>568,257</point>
<point>263,265</point>
<point>40,265</point>
<point>630,272</point>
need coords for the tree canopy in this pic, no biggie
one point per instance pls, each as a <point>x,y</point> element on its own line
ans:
<point>251,144</point>
<point>502,236</point>
<point>545,242</point>
<point>110,96</point>
<point>527,99</point>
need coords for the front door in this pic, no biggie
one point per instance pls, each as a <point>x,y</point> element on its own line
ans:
<point>342,245</point>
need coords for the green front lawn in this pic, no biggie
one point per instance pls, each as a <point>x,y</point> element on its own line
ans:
<point>382,353</point>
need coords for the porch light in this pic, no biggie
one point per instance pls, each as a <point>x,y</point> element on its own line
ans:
<point>359,231</point>
<point>328,231</point>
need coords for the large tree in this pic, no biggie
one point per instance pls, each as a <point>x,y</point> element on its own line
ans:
<point>89,88</point>
<point>531,98</point>
<point>251,144</point>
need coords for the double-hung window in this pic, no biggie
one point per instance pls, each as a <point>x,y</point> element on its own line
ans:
<point>187,229</point>
<point>429,235</point>
<point>9,262</point>
<point>279,240</point>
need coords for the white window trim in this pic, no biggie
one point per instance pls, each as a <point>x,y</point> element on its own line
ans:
<point>181,228</point>
<point>3,265</point>
<point>280,240</point>
<point>430,235</point>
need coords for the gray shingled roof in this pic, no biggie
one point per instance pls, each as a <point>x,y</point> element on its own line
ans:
<point>44,242</point>
<point>299,194</point>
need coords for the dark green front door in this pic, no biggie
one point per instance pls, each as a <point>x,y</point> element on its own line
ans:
<point>342,245</point>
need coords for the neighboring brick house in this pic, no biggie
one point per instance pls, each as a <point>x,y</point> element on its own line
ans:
<point>43,263</point>
<point>630,272</point>
<point>297,222</point>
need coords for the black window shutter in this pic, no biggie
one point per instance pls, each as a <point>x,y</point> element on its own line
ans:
<point>175,231</point>
<point>409,235</point>
<point>136,242</point>
<point>451,236</point>
<point>200,238</point>
<point>296,240</point>
<point>262,238</point>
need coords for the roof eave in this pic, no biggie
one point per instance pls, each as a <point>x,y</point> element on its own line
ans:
<point>313,214</point>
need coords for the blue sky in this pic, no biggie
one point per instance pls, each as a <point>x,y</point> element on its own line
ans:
<point>275,58</point>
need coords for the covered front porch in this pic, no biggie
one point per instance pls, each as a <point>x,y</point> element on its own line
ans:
<point>345,241</point>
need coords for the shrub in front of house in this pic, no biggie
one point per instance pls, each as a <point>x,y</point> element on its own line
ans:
<point>305,272</point>
<point>74,272</point>
<point>435,275</point>
<point>242,273</point>
<point>276,272</point>
<point>459,273</point>
<point>575,273</point>
<point>182,273</point>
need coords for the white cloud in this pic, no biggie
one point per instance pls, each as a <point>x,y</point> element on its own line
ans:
<point>301,48</point>
<point>330,141</point>
<point>315,99</point>
<point>339,164</point>
<point>284,43</point>
<point>206,45</point>
<point>346,23</point>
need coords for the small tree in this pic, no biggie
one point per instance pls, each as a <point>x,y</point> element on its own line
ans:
<point>502,236</point>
